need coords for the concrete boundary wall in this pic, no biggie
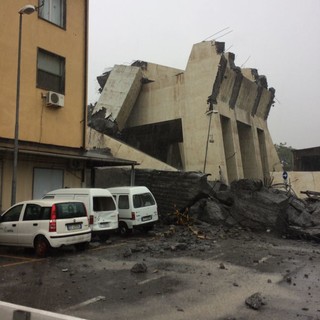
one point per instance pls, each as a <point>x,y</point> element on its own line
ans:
<point>172,189</point>
<point>299,181</point>
<point>10,311</point>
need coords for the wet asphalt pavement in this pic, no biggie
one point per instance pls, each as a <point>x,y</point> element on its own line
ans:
<point>186,277</point>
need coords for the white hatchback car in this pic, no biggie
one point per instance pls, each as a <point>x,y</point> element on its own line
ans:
<point>42,224</point>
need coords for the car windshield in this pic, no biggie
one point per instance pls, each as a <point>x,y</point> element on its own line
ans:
<point>143,200</point>
<point>70,210</point>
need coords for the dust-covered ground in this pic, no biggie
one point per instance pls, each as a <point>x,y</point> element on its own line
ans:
<point>172,273</point>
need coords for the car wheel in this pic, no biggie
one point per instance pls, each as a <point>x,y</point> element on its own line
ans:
<point>123,229</point>
<point>41,246</point>
<point>81,246</point>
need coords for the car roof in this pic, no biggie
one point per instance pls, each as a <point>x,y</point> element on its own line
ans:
<point>138,188</point>
<point>47,202</point>
<point>94,191</point>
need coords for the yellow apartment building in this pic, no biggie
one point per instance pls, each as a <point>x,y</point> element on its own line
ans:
<point>49,136</point>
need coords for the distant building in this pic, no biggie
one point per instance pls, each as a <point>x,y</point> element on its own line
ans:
<point>210,117</point>
<point>306,159</point>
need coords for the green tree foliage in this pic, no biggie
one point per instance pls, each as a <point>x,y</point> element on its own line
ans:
<point>285,155</point>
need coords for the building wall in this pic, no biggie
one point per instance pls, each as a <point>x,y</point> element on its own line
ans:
<point>71,177</point>
<point>39,123</point>
<point>299,181</point>
<point>40,126</point>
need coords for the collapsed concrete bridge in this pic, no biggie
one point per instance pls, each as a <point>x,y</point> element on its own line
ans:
<point>210,117</point>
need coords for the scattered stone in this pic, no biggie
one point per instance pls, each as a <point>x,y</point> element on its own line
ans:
<point>139,268</point>
<point>181,246</point>
<point>255,301</point>
<point>222,266</point>
<point>152,233</point>
<point>94,244</point>
<point>127,253</point>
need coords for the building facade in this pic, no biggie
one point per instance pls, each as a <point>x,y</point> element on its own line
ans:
<point>210,117</point>
<point>52,98</point>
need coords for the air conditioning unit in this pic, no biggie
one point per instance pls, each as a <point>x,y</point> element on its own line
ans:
<point>54,99</point>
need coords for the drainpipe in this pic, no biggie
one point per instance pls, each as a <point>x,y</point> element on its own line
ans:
<point>85,89</point>
<point>132,176</point>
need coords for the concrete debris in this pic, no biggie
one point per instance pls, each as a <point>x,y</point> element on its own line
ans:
<point>139,268</point>
<point>255,301</point>
<point>127,253</point>
<point>250,205</point>
<point>179,246</point>
<point>222,266</point>
<point>189,199</point>
<point>312,194</point>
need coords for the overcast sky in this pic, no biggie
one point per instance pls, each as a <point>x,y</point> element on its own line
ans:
<point>279,38</point>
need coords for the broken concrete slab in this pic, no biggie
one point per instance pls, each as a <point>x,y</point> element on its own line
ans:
<point>255,301</point>
<point>299,218</point>
<point>140,267</point>
<point>118,97</point>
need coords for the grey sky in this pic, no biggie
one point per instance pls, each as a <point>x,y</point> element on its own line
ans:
<point>280,38</point>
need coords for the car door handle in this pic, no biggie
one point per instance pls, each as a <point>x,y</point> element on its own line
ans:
<point>35,224</point>
<point>14,225</point>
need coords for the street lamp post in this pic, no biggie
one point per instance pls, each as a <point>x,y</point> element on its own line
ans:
<point>209,113</point>
<point>28,9</point>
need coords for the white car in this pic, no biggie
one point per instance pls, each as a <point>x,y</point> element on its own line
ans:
<point>42,224</point>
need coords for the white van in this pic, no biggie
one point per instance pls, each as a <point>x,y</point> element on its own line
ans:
<point>137,208</point>
<point>100,205</point>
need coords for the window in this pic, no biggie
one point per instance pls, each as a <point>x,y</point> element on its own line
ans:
<point>36,212</point>
<point>123,202</point>
<point>103,204</point>
<point>53,11</point>
<point>13,214</point>
<point>50,71</point>
<point>33,212</point>
<point>143,200</point>
<point>70,210</point>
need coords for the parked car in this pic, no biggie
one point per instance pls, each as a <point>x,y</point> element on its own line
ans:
<point>100,205</point>
<point>45,224</point>
<point>137,208</point>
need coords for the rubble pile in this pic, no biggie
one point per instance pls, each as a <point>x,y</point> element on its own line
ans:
<point>250,205</point>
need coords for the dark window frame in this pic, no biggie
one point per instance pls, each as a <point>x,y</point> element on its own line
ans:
<point>103,203</point>
<point>14,214</point>
<point>123,202</point>
<point>63,19</point>
<point>43,81</point>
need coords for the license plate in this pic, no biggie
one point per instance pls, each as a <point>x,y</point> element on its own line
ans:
<point>75,226</point>
<point>147,218</point>
<point>104,224</point>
